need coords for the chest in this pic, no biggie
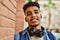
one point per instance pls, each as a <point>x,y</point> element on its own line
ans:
<point>37,38</point>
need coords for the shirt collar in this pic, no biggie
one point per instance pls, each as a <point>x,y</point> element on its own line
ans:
<point>26,30</point>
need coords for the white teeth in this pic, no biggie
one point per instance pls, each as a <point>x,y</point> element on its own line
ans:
<point>33,20</point>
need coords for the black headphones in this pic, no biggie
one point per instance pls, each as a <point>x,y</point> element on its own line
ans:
<point>37,33</point>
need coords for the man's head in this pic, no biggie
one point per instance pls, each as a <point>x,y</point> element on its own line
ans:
<point>32,13</point>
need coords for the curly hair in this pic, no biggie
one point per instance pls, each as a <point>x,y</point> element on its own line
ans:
<point>30,4</point>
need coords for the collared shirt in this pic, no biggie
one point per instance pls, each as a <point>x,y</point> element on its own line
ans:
<point>24,35</point>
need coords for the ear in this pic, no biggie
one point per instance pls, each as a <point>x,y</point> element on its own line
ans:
<point>25,19</point>
<point>40,15</point>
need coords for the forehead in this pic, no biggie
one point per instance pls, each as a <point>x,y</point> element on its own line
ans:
<point>31,8</point>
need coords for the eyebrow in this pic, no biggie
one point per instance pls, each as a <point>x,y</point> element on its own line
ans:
<point>28,11</point>
<point>35,10</point>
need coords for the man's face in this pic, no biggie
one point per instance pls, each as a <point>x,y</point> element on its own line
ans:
<point>33,16</point>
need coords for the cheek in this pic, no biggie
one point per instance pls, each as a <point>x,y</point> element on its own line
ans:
<point>39,17</point>
<point>28,19</point>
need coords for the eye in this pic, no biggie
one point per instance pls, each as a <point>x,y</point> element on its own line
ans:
<point>36,12</point>
<point>28,13</point>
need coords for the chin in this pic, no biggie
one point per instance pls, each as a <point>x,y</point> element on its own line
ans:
<point>34,25</point>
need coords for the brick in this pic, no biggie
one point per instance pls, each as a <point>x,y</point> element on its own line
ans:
<point>12,16</point>
<point>20,4</point>
<point>9,5</point>
<point>5,22</point>
<point>23,1</point>
<point>14,2</point>
<point>19,22</point>
<point>3,12</point>
<point>0,21</point>
<point>10,31</point>
<point>13,24</point>
<point>6,12</point>
<point>20,16</point>
<point>10,38</point>
<point>1,0</point>
<point>2,32</point>
<point>6,32</point>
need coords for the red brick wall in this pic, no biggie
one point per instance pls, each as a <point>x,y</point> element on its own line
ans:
<point>20,16</point>
<point>7,19</point>
<point>11,18</point>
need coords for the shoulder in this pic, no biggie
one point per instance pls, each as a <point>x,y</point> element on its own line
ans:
<point>17,35</point>
<point>51,36</point>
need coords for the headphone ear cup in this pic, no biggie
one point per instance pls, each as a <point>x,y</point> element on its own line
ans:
<point>39,33</point>
<point>31,32</point>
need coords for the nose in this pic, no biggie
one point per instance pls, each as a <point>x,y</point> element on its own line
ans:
<point>33,14</point>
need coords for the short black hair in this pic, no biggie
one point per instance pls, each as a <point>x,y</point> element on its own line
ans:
<point>30,4</point>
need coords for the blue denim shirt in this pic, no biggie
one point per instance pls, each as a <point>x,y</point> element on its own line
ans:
<point>24,35</point>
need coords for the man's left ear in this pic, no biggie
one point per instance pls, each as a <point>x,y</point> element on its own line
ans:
<point>40,15</point>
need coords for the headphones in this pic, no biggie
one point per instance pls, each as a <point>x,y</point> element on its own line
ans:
<point>37,33</point>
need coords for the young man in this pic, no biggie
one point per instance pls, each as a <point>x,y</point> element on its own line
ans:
<point>34,31</point>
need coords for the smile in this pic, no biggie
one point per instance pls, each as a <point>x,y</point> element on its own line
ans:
<point>34,20</point>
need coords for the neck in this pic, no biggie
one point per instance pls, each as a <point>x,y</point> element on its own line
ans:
<point>36,27</point>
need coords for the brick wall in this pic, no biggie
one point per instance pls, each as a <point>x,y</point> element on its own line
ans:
<point>20,16</point>
<point>7,19</point>
<point>11,18</point>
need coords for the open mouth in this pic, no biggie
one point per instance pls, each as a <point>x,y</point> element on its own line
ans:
<point>33,20</point>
